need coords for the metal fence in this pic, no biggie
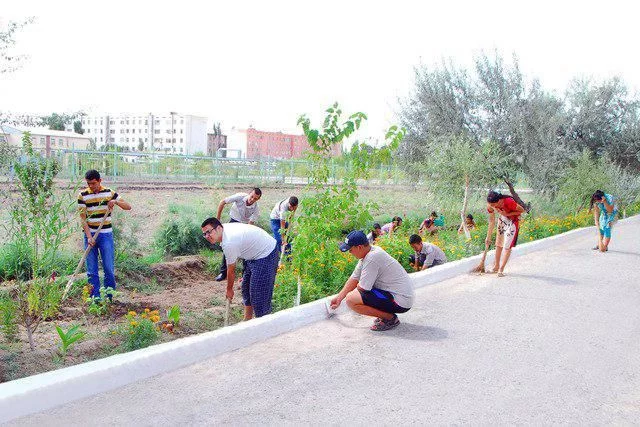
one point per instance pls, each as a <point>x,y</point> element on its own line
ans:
<point>209,170</point>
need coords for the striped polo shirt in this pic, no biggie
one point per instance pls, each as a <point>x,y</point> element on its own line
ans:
<point>95,206</point>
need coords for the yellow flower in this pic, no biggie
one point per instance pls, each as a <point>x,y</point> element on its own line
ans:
<point>146,310</point>
<point>133,313</point>
<point>134,323</point>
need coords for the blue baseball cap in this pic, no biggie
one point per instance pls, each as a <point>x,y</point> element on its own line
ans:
<point>355,238</point>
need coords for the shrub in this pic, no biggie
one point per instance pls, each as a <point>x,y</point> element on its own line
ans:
<point>8,320</point>
<point>180,236</point>
<point>141,329</point>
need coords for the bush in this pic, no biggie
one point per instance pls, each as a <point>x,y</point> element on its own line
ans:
<point>181,233</point>
<point>141,329</point>
<point>8,321</point>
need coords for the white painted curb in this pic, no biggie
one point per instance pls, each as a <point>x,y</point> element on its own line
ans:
<point>40,392</point>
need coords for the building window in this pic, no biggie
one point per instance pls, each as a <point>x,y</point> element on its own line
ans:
<point>111,122</point>
<point>169,140</point>
<point>42,139</point>
<point>121,122</point>
<point>100,130</point>
<point>100,139</point>
<point>127,140</point>
<point>157,122</point>
<point>169,131</point>
<point>145,140</point>
<point>127,130</point>
<point>180,139</point>
<point>112,131</point>
<point>156,131</point>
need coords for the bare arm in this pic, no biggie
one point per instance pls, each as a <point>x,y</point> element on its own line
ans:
<point>607,206</point>
<point>492,224</point>
<point>596,216</point>
<point>349,285</point>
<point>220,208</point>
<point>85,227</point>
<point>231,278</point>
<point>120,203</point>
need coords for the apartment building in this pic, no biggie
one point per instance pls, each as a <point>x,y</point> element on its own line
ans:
<point>44,140</point>
<point>170,133</point>
<point>252,143</point>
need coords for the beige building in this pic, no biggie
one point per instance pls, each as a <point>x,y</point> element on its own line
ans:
<point>45,140</point>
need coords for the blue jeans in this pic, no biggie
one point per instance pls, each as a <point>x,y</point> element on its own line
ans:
<point>275,228</point>
<point>104,245</point>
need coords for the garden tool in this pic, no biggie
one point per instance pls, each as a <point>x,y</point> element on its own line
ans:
<point>84,256</point>
<point>226,312</point>
<point>298,294</point>
<point>480,267</point>
<point>330,311</point>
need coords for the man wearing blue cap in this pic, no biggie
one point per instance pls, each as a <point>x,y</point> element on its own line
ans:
<point>378,287</point>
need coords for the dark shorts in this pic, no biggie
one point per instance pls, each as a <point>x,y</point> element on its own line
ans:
<point>382,300</point>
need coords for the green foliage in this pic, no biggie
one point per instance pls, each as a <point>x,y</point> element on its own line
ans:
<point>37,300</point>
<point>8,317</point>
<point>141,332</point>
<point>69,338</point>
<point>585,175</point>
<point>99,306</point>
<point>180,234</point>
<point>173,315</point>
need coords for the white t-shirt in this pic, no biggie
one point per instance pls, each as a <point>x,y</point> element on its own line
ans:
<point>245,241</point>
<point>280,209</point>
<point>380,270</point>
<point>240,211</point>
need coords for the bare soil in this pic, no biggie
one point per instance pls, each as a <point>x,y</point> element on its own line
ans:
<point>181,282</point>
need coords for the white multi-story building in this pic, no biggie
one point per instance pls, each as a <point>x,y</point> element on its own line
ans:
<point>170,133</point>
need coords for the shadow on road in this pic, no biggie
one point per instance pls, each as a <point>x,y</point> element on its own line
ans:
<point>411,331</point>
<point>613,251</point>
<point>549,279</point>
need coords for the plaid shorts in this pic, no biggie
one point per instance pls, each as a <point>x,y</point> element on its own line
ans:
<point>257,282</point>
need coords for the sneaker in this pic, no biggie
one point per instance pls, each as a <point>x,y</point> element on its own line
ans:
<point>220,277</point>
<point>385,325</point>
<point>595,248</point>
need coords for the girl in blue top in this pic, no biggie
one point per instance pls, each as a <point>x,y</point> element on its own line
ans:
<point>604,215</point>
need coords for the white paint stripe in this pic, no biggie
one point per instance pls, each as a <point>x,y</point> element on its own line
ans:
<point>40,392</point>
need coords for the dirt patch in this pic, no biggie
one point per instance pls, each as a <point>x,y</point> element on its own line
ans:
<point>182,281</point>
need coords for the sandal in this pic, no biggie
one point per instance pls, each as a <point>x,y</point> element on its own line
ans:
<point>595,248</point>
<point>501,274</point>
<point>385,325</point>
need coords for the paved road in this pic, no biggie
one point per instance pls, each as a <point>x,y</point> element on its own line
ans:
<point>556,341</point>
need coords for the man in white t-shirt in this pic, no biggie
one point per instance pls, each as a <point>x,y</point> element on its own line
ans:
<point>280,215</point>
<point>378,287</point>
<point>244,209</point>
<point>259,250</point>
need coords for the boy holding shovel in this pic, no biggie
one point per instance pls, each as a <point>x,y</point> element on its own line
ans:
<point>95,204</point>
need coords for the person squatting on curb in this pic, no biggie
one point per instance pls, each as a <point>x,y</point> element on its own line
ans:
<point>244,209</point>
<point>378,287</point>
<point>604,216</point>
<point>93,203</point>
<point>508,226</point>
<point>260,252</point>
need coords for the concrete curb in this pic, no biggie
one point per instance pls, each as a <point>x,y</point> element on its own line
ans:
<point>40,392</point>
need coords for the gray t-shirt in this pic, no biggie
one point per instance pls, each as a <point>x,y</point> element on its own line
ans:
<point>240,211</point>
<point>433,253</point>
<point>245,241</point>
<point>380,270</point>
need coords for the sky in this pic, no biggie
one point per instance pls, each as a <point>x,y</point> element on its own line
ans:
<point>263,63</point>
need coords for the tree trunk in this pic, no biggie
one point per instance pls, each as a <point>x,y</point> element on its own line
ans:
<point>28,325</point>
<point>463,212</point>
<point>516,197</point>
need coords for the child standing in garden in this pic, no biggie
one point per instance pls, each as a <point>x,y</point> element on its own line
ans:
<point>260,252</point>
<point>426,254</point>
<point>94,203</point>
<point>507,231</point>
<point>244,209</point>
<point>378,287</point>
<point>604,216</point>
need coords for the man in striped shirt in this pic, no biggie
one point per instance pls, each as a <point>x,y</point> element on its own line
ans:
<point>94,203</point>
